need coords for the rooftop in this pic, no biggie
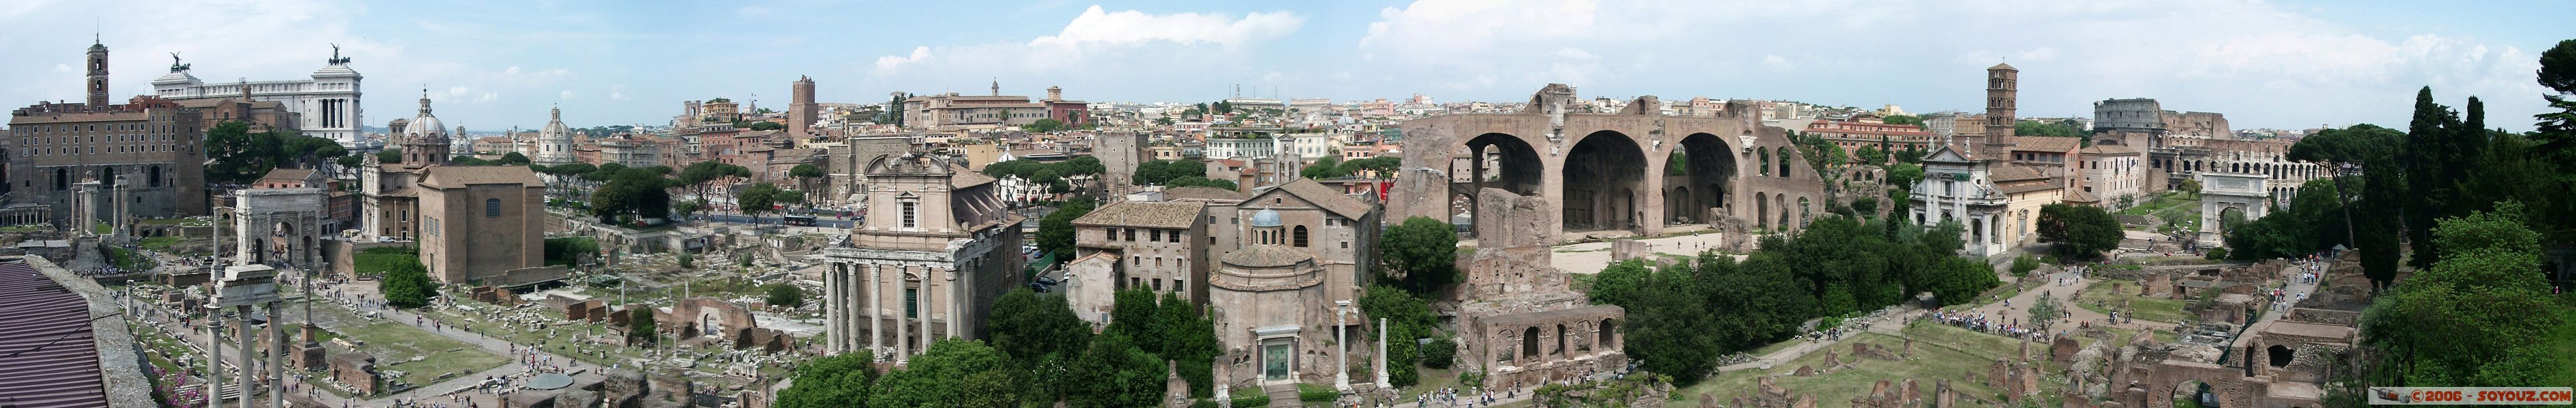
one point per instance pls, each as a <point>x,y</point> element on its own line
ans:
<point>1148,214</point>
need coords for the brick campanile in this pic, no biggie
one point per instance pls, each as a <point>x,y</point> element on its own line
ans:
<point>2000,88</point>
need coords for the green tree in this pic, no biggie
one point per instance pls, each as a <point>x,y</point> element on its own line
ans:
<point>1133,313</point>
<point>514,158</point>
<point>1048,125</point>
<point>990,389</point>
<point>1904,120</point>
<point>640,326</point>
<point>1420,254</point>
<point>2079,232</point>
<point>2558,73</point>
<point>764,125</point>
<point>407,284</point>
<point>805,175</point>
<point>2469,320</point>
<point>1408,318</point>
<point>1667,328</point>
<point>1029,327</point>
<point>1380,167</point>
<point>757,199</point>
<point>1189,339</point>
<point>1162,171</point>
<point>936,377</point>
<point>1055,231</point>
<point>1619,283</point>
<point>1870,154</point>
<point>785,295</point>
<point>834,381</point>
<point>1327,167</point>
<point>1116,374</point>
<point>2037,128</point>
<point>351,162</point>
<point>1201,182</point>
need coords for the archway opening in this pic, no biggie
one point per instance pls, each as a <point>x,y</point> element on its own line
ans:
<point>1493,160</point>
<point>1609,335</point>
<point>1602,173</point>
<point>2280,355</point>
<point>1699,172</point>
<point>1529,345</point>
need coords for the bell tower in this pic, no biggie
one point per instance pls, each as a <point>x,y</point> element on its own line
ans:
<point>2001,87</point>
<point>97,74</point>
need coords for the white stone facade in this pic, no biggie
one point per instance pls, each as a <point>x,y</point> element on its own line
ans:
<point>329,102</point>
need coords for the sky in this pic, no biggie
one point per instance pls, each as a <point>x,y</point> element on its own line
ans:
<point>491,65</point>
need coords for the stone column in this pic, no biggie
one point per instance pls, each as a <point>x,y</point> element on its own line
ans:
<point>1382,381</point>
<point>921,304</point>
<point>244,338</point>
<point>832,326</point>
<point>214,357</point>
<point>954,297</point>
<point>902,327</point>
<point>276,348</point>
<point>1341,350</point>
<point>869,289</point>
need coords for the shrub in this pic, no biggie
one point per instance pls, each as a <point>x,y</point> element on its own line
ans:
<point>1440,353</point>
<point>1317,393</point>
<point>2023,265</point>
<point>1203,403</point>
<point>786,295</point>
<point>2217,254</point>
<point>685,261</point>
<point>1250,398</point>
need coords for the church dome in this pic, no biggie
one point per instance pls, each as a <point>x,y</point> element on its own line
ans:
<point>555,127</point>
<point>1266,218</point>
<point>425,125</point>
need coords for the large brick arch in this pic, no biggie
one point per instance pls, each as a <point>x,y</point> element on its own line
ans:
<point>1436,147</point>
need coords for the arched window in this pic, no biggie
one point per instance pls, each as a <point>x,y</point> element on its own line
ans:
<point>1784,162</point>
<point>491,207</point>
<point>1299,236</point>
<point>1766,161</point>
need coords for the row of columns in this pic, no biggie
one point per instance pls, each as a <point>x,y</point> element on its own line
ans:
<point>27,216</point>
<point>843,288</point>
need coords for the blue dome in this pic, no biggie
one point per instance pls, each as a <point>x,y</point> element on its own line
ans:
<point>1266,218</point>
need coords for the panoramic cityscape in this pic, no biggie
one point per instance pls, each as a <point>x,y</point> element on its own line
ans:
<point>1428,203</point>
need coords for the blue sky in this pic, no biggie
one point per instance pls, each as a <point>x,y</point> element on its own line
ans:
<point>493,65</point>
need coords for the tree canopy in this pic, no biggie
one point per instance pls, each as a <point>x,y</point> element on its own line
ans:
<point>235,155</point>
<point>1055,231</point>
<point>2079,232</point>
<point>1163,171</point>
<point>1421,254</point>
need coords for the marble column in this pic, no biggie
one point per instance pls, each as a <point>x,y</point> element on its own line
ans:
<point>869,289</point>
<point>921,304</point>
<point>1342,351</point>
<point>214,357</point>
<point>248,370</point>
<point>1382,339</point>
<point>276,349</point>
<point>902,327</point>
<point>832,326</point>
<point>954,298</point>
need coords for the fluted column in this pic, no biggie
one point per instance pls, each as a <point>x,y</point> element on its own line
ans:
<point>833,326</point>
<point>955,297</point>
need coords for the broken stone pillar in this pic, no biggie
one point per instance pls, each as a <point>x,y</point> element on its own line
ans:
<point>2063,350</point>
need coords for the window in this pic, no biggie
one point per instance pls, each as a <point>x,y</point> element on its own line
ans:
<point>911,302</point>
<point>1299,236</point>
<point>491,207</point>
<point>911,214</point>
<point>1131,234</point>
<point>1154,235</point>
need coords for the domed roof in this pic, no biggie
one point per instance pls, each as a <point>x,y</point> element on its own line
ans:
<point>425,125</point>
<point>555,127</point>
<point>1266,218</point>
<point>1266,256</point>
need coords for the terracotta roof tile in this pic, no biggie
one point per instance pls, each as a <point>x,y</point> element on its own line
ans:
<point>1149,214</point>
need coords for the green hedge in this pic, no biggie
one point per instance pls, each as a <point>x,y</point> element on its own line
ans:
<point>1253,400</point>
<point>1317,393</point>
<point>375,261</point>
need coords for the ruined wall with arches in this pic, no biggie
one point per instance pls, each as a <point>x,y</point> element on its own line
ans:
<point>1636,171</point>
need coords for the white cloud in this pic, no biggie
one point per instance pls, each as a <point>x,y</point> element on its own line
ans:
<point>1775,63</point>
<point>1127,27</point>
<point>617,92</point>
<point>2262,64</point>
<point>487,97</point>
<point>514,70</point>
<point>567,95</point>
<point>457,91</point>
<point>890,62</point>
<point>1099,35</point>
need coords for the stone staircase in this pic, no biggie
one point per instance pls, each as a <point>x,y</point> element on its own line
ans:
<point>2137,220</point>
<point>1282,396</point>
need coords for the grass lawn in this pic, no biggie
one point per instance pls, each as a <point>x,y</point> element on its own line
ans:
<point>128,259</point>
<point>562,345</point>
<point>394,345</point>
<point>162,244</point>
<point>2155,309</point>
<point>26,228</point>
<point>1775,347</point>
<point>1939,352</point>
<point>165,221</point>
